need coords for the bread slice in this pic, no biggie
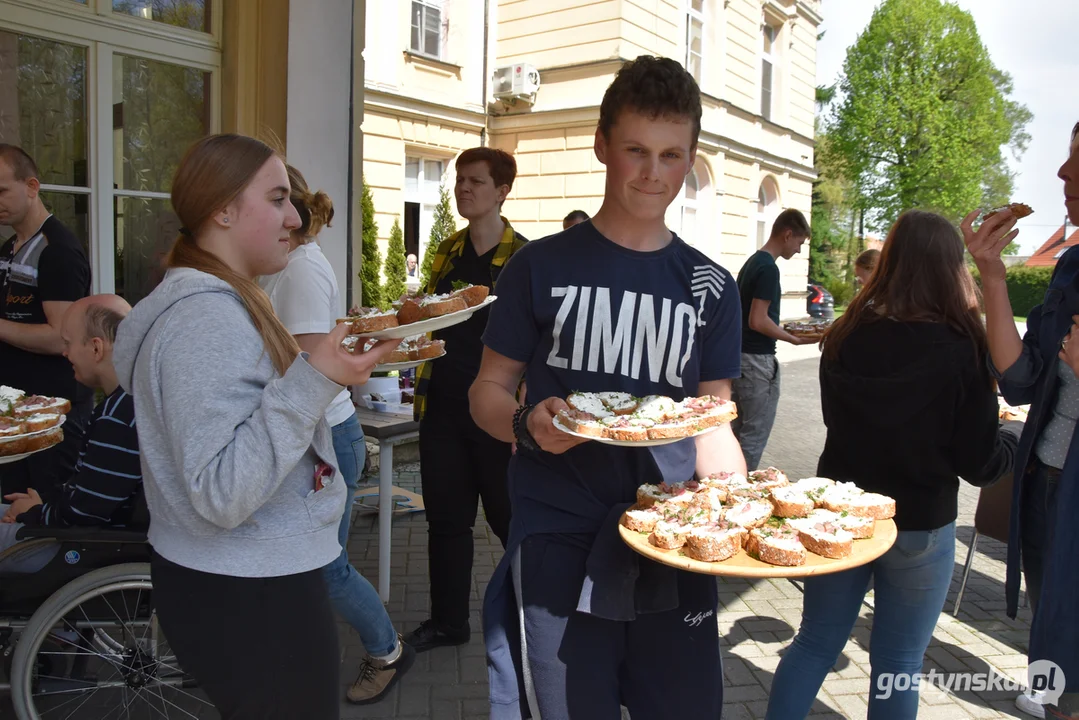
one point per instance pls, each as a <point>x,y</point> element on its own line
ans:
<point>710,500</point>
<point>641,520</point>
<point>9,398</point>
<point>657,408</point>
<point>859,527</point>
<point>749,514</point>
<point>672,429</point>
<point>41,421</point>
<point>815,487</point>
<point>626,428</point>
<point>33,404</point>
<point>776,544</point>
<point>582,424</point>
<point>439,305</point>
<point>872,505</point>
<point>44,440</point>
<point>768,478</point>
<point>369,320</point>
<point>791,502</point>
<point>839,497</point>
<point>409,312</point>
<point>669,534</point>
<point>424,349</point>
<point>590,403</point>
<point>1019,210</point>
<point>715,542</point>
<point>620,403</point>
<point>473,295</point>
<point>825,538</point>
<point>11,432</point>
<point>710,410</point>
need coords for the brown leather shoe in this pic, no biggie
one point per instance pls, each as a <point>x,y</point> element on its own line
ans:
<point>378,677</point>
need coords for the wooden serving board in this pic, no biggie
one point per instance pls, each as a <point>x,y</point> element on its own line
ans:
<point>742,565</point>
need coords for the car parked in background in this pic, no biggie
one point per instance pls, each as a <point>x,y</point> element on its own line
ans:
<point>819,302</point>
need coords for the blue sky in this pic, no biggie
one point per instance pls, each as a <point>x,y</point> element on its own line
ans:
<point>1037,41</point>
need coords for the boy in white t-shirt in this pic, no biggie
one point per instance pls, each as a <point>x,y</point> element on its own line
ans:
<point>305,297</point>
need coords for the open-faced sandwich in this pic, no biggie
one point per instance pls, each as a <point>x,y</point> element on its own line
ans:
<point>1019,210</point>
<point>367,320</point>
<point>776,543</point>
<point>473,295</point>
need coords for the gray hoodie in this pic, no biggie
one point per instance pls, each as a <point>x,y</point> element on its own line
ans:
<point>229,447</point>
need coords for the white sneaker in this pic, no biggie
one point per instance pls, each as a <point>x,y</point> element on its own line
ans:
<point>1031,705</point>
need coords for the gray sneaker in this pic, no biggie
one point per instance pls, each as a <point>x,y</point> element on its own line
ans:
<point>378,677</point>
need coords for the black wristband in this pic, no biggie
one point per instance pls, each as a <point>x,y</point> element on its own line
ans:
<point>524,438</point>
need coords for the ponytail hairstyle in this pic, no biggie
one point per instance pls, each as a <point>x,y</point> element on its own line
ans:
<point>315,208</point>
<point>212,173</point>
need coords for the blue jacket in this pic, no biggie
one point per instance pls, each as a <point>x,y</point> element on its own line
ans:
<point>1054,634</point>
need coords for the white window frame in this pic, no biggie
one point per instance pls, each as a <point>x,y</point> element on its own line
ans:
<point>767,210</point>
<point>772,60</point>
<point>106,35</point>
<point>426,5</point>
<point>693,15</point>
<point>426,201</point>
<point>691,205</point>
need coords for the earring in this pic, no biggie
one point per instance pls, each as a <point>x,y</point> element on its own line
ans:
<point>226,221</point>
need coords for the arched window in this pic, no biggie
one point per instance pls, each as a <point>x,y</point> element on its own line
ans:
<point>690,207</point>
<point>767,209</point>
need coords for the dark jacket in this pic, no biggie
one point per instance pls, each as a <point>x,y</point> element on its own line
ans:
<point>910,409</point>
<point>1054,634</point>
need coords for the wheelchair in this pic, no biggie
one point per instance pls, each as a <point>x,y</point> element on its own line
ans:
<point>80,638</point>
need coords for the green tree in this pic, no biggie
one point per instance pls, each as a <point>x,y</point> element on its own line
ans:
<point>443,226</point>
<point>370,282</point>
<point>925,114</point>
<point>395,271</point>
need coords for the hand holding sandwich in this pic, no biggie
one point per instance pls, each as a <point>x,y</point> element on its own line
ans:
<point>331,358</point>
<point>547,436</point>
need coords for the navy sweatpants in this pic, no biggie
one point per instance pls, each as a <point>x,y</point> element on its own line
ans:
<point>662,666</point>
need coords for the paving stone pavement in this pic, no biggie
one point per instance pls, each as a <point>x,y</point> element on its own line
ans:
<point>757,619</point>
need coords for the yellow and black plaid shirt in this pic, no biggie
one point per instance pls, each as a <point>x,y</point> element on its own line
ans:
<point>450,249</point>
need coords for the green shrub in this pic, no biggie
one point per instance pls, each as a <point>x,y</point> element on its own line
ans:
<point>1026,287</point>
<point>841,290</point>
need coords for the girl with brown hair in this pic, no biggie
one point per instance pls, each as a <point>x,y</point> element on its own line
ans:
<point>241,479</point>
<point>306,299</point>
<point>910,408</point>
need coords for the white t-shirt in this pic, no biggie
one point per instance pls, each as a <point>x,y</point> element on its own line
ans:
<point>305,297</point>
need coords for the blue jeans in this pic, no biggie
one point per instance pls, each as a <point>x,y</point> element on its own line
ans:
<point>353,597</point>
<point>910,584</point>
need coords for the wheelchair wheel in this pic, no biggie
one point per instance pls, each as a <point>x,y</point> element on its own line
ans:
<point>94,650</point>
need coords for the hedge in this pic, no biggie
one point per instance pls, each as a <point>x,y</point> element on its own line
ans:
<point>1026,287</point>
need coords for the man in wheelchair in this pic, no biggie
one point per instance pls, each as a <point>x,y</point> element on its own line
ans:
<point>108,476</point>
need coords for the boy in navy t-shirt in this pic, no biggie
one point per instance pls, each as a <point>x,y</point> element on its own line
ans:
<point>618,303</point>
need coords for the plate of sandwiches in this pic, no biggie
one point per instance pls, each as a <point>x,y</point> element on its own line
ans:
<point>618,418</point>
<point>1012,412</point>
<point>812,329</point>
<point>418,314</point>
<point>762,525</point>
<point>29,423</point>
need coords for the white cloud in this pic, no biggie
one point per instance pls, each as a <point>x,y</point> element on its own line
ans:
<point>1035,41</point>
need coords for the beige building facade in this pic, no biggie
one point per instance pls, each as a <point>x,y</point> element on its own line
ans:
<point>426,100</point>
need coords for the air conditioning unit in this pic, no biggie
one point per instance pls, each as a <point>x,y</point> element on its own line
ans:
<point>520,81</point>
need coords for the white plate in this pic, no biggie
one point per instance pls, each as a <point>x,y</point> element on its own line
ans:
<point>387,367</point>
<point>629,443</point>
<point>5,459</point>
<point>13,438</point>
<point>430,325</point>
